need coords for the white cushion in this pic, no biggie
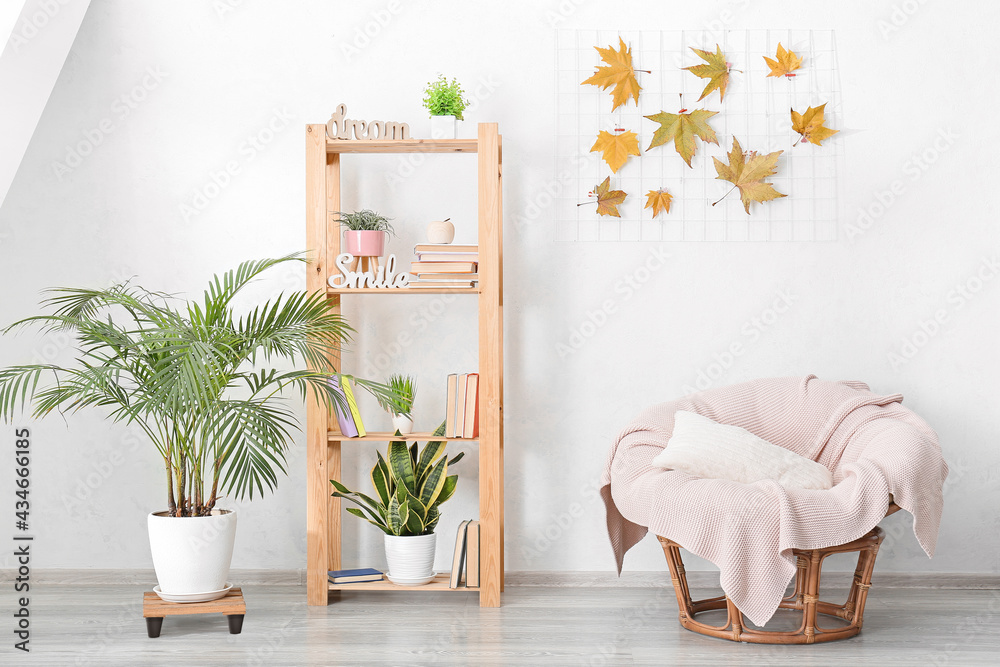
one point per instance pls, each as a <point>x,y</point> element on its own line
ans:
<point>704,448</point>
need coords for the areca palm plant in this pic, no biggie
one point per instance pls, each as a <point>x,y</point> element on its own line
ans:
<point>189,374</point>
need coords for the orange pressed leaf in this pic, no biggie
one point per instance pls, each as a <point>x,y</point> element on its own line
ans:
<point>747,171</point>
<point>618,73</point>
<point>784,62</point>
<point>616,148</point>
<point>659,201</point>
<point>715,69</point>
<point>608,200</point>
<point>810,125</point>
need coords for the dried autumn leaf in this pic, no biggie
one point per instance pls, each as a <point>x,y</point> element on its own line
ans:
<point>747,172</point>
<point>659,201</point>
<point>810,125</point>
<point>682,128</point>
<point>616,148</point>
<point>617,73</point>
<point>716,70</point>
<point>608,200</point>
<point>784,63</point>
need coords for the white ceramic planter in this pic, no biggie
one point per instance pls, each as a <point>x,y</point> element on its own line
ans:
<point>443,127</point>
<point>192,554</point>
<point>403,424</point>
<point>411,558</point>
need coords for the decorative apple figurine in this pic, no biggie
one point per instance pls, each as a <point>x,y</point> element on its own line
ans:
<point>441,231</point>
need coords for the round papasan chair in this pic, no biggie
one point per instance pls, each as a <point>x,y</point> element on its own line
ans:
<point>879,453</point>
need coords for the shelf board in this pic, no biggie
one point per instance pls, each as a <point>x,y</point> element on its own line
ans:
<point>403,290</point>
<point>439,584</point>
<point>385,436</point>
<point>403,146</point>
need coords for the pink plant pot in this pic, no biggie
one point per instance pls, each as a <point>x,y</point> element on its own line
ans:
<point>364,243</point>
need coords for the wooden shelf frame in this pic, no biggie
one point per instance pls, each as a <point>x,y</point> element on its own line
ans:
<point>323,448</point>
<point>441,583</point>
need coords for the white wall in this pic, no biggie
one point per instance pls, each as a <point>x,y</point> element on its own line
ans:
<point>171,92</point>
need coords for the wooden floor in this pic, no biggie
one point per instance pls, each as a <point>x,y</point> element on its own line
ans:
<point>103,625</point>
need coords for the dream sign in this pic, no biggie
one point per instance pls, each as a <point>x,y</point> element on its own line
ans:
<point>340,127</point>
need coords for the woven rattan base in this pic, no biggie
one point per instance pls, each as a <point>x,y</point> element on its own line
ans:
<point>805,598</point>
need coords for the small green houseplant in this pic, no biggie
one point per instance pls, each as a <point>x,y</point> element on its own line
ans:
<point>365,232</point>
<point>188,375</point>
<point>405,389</point>
<point>445,100</point>
<point>410,486</point>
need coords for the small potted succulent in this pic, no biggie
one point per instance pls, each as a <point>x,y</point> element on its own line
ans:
<point>410,486</point>
<point>445,100</point>
<point>404,390</point>
<point>365,232</point>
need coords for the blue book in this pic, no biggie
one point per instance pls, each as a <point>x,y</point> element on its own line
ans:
<point>354,576</point>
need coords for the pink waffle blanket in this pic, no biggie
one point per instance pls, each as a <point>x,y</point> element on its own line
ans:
<point>873,446</point>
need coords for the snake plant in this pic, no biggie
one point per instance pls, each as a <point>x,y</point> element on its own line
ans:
<point>410,485</point>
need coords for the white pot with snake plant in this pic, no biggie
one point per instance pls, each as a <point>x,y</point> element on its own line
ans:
<point>410,486</point>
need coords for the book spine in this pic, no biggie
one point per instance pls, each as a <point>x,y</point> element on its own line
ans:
<point>354,409</point>
<point>344,419</point>
<point>472,555</point>
<point>463,384</point>
<point>472,407</point>
<point>449,428</point>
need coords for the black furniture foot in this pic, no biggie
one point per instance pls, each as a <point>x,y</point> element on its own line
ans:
<point>235,623</point>
<point>155,624</point>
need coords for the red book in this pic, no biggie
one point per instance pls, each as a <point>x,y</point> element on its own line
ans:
<point>471,429</point>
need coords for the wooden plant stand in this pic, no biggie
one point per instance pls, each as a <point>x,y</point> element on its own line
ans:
<point>232,605</point>
<point>804,598</point>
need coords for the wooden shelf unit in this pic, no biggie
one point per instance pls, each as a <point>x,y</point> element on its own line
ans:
<point>323,166</point>
<point>440,584</point>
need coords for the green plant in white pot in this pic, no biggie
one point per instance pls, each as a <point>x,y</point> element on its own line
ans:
<point>410,486</point>
<point>405,388</point>
<point>187,375</point>
<point>445,101</point>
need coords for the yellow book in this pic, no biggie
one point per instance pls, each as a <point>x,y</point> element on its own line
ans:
<point>349,393</point>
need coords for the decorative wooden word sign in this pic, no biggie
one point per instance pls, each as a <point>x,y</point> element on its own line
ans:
<point>340,127</point>
<point>384,278</point>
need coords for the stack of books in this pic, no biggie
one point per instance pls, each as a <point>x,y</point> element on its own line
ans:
<point>445,265</point>
<point>465,564</point>
<point>349,420</point>
<point>462,419</point>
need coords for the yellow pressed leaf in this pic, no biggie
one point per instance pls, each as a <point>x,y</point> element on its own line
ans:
<point>682,129</point>
<point>784,62</point>
<point>810,125</point>
<point>747,171</point>
<point>659,201</point>
<point>618,73</point>
<point>715,69</point>
<point>608,200</point>
<point>616,148</point>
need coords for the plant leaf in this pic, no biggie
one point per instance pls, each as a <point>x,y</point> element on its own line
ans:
<point>810,125</point>
<point>618,73</point>
<point>683,129</point>
<point>784,62</point>
<point>608,200</point>
<point>402,466</point>
<point>659,201</point>
<point>715,69</point>
<point>616,148</point>
<point>747,172</point>
<point>431,488</point>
